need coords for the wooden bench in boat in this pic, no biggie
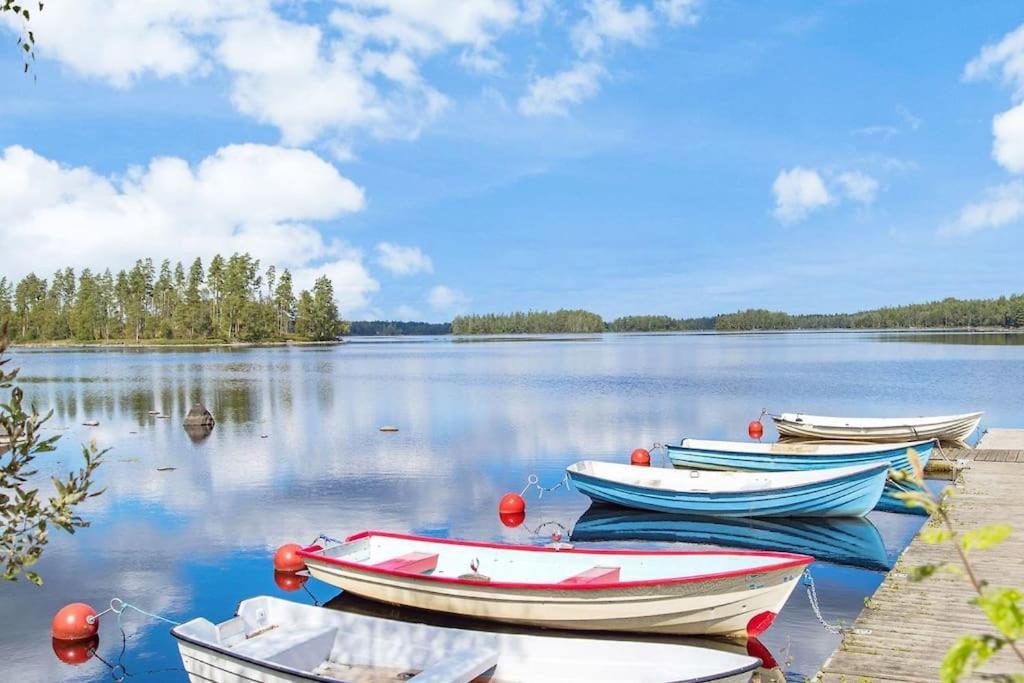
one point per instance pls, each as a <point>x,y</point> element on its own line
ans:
<point>594,575</point>
<point>410,563</point>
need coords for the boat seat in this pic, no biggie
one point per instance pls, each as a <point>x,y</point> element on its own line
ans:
<point>299,648</point>
<point>594,575</point>
<point>410,563</point>
<point>460,667</point>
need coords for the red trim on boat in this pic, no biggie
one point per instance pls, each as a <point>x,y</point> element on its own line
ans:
<point>786,561</point>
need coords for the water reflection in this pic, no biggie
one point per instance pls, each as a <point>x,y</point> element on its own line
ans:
<point>973,338</point>
<point>297,451</point>
<point>852,541</point>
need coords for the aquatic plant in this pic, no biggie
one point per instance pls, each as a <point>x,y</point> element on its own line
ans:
<point>26,519</point>
<point>1003,606</point>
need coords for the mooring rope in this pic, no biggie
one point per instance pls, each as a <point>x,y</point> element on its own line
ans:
<point>119,672</point>
<point>533,481</point>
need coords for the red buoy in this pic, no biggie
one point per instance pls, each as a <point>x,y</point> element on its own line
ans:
<point>287,559</point>
<point>289,581</point>
<point>76,621</point>
<point>755,429</point>
<point>641,457</point>
<point>512,519</point>
<point>76,652</point>
<point>512,504</point>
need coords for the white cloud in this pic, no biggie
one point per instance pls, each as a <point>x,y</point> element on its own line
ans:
<point>680,12</point>
<point>408,313</point>
<point>607,22</point>
<point>858,186</point>
<point>798,192</point>
<point>1008,145</point>
<point>401,260</point>
<point>1005,59</point>
<point>443,298</point>
<point>880,130</point>
<point>246,198</point>
<point>1002,205</point>
<point>353,285</point>
<point>552,95</point>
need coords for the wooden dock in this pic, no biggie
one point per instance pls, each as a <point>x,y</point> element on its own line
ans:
<point>903,633</point>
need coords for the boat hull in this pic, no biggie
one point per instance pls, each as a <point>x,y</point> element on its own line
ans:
<point>789,458</point>
<point>849,541</point>
<point>955,428</point>
<point>363,648</point>
<point>723,607</point>
<point>851,494</point>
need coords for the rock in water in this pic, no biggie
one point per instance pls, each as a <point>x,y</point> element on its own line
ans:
<point>199,416</point>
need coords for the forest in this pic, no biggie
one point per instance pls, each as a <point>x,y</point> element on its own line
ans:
<point>374,328</point>
<point>1004,312</point>
<point>230,300</point>
<point>561,321</point>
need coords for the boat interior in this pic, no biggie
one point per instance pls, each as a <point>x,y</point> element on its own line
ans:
<point>509,564</point>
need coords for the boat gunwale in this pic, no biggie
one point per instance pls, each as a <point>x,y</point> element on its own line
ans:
<point>791,560</point>
<point>916,421</point>
<point>862,449</point>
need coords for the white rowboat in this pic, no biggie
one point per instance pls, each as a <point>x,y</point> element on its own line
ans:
<point>943,427</point>
<point>710,592</point>
<point>276,641</point>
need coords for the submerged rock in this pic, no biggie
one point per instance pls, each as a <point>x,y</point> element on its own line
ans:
<point>199,416</point>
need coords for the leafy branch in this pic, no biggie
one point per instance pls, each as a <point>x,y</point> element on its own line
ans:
<point>27,39</point>
<point>25,517</point>
<point>1004,607</point>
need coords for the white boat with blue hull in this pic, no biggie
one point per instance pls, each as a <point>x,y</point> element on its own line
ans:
<point>271,640</point>
<point>840,492</point>
<point>849,541</point>
<point>786,457</point>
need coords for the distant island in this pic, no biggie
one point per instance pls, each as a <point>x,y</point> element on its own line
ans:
<point>234,300</point>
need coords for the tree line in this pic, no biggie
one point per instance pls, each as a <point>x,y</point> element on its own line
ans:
<point>372,328</point>
<point>1004,312</point>
<point>232,299</point>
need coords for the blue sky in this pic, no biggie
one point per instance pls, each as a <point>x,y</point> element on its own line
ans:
<point>435,157</point>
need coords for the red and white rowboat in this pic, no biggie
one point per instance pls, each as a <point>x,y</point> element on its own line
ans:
<point>705,592</point>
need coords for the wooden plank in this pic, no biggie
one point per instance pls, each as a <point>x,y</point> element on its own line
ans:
<point>905,632</point>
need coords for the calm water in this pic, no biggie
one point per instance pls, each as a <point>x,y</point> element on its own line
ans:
<point>297,451</point>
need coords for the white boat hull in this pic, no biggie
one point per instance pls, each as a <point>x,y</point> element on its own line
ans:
<point>740,601</point>
<point>952,428</point>
<point>370,648</point>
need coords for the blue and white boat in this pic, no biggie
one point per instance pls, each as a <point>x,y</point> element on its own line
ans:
<point>839,492</point>
<point>786,457</point>
<point>849,541</point>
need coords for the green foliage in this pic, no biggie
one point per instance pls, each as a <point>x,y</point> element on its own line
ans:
<point>659,323</point>
<point>25,517</point>
<point>985,537</point>
<point>561,321</point>
<point>967,653</point>
<point>27,38</point>
<point>371,328</point>
<point>948,313</point>
<point>1002,606</point>
<point>167,303</point>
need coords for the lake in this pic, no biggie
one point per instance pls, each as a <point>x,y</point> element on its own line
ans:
<point>297,451</point>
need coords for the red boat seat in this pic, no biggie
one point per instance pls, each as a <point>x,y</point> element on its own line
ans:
<point>594,575</point>
<point>410,563</point>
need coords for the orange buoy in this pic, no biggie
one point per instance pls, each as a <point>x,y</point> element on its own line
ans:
<point>755,429</point>
<point>289,581</point>
<point>641,457</point>
<point>512,519</point>
<point>76,621</point>
<point>512,504</point>
<point>75,652</point>
<point>287,559</point>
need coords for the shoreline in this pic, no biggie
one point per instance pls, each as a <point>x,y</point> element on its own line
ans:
<point>72,345</point>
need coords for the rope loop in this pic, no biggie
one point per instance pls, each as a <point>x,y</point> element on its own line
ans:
<point>534,482</point>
